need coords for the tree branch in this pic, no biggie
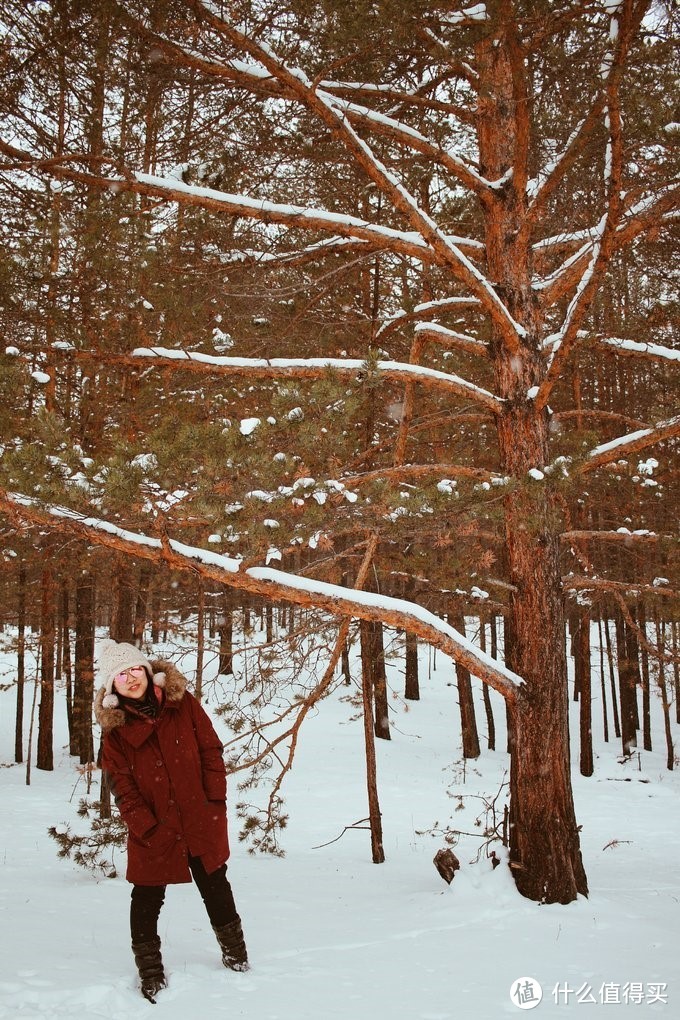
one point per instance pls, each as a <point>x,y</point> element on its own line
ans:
<point>624,446</point>
<point>274,585</point>
<point>313,368</point>
<point>446,252</point>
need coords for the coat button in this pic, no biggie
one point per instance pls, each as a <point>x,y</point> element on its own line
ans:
<point>178,837</point>
<point>159,764</point>
<point>171,802</point>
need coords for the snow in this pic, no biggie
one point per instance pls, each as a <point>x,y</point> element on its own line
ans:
<point>445,380</point>
<point>655,350</point>
<point>631,437</point>
<point>475,13</point>
<point>323,921</point>
<point>285,212</point>
<point>12,352</point>
<point>41,377</point>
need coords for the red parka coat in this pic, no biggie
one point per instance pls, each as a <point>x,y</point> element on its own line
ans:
<point>168,778</point>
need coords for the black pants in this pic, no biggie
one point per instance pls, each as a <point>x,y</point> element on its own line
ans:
<point>147,900</point>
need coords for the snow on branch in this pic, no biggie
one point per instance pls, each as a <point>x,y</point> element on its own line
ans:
<point>442,335</point>
<point>400,241</point>
<point>412,472</point>
<point>257,78</point>
<point>446,252</point>
<point>633,348</point>
<point>575,582</point>
<point>316,368</point>
<point>645,214</point>
<point>631,443</point>
<point>622,535</point>
<point>424,311</point>
<point>406,135</point>
<point>403,242</point>
<point>275,585</point>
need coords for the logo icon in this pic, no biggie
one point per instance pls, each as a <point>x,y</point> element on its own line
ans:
<point>526,992</point>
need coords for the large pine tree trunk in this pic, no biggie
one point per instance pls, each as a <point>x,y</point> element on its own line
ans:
<point>545,853</point>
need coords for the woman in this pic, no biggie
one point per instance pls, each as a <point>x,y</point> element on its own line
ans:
<point>167,774</point>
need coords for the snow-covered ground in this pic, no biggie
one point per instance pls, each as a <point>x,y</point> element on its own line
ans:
<point>332,935</point>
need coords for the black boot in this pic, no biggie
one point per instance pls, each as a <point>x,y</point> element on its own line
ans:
<point>232,944</point>
<point>150,966</point>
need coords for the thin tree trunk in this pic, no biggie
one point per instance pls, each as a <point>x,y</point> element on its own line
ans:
<point>31,725</point>
<point>603,686</point>
<point>200,640</point>
<point>82,743</point>
<point>660,641</point>
<point>412,685</point>
<point>226,630</point>
<point>155,612</point>
<point>45,758</point>
<point>644,669</point>
<point>573,627</point>
<point>21,665</point>
<point>66,671</point>
<point>468,720</point>
<point>583,673</point>
<point>373,652</point>
<point>345,663</point>
<point>634,660</point>
<point>141,605</point>
<point>375,821</point>
<point>122,615</point>
<point>612,679</point>
<point>490,722</point>
<point>627,692</point>
<point>674,625</point>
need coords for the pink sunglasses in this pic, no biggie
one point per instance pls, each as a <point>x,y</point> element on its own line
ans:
<point>124,676</point>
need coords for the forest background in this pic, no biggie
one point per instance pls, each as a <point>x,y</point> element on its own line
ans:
<point>360,312</point>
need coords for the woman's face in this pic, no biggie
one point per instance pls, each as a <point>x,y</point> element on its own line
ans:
<point>132,683</point>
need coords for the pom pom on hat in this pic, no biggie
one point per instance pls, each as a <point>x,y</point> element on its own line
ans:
<point>115,656</point>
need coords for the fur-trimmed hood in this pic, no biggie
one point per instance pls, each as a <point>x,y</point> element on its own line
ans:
<point>165,674</point>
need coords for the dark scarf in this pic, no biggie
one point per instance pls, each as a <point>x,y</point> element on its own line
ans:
<point>148,706</point>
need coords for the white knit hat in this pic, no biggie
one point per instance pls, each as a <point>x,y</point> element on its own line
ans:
<point>115,656</point>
